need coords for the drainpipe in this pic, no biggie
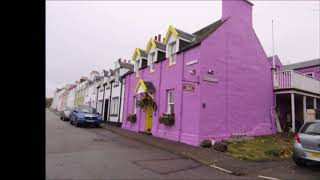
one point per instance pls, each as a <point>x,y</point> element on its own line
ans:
<point>108,118</point>
<point>120,101</point>
<point>159,92</point>
<point>103,102</point>
<point>180,122</point>
<point>97,98</point>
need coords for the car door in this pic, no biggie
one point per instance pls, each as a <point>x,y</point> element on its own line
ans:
<point>310,136</point>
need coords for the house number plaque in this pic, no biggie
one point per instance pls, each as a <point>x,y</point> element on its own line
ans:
<point>188,87</point>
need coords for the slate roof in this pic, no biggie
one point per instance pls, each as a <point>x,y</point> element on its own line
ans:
<point>160,45</point>
<point>185,35</point>
<point>143,53</point>
<point>125,65</point>
<point>310,63</point>
<point>204,33</point>
<point>197,37</point>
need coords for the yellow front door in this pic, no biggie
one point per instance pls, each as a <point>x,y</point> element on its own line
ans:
<point>148,119</point>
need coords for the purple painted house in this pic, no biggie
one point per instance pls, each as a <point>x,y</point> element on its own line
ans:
<point>210,84</point>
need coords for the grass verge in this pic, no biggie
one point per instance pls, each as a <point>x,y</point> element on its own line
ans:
<point>273,147</point>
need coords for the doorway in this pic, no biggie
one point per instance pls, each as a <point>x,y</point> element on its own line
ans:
<point>106,107</point>
<point>148,125</point>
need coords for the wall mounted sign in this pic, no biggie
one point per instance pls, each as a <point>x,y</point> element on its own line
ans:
<point>188,87</point>
<point>192,62</point>
<point>210,79</point>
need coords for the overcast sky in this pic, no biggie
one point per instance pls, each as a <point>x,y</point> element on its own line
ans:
<point>82,36</point>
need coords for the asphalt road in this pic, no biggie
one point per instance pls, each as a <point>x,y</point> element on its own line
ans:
<point>96,153</point>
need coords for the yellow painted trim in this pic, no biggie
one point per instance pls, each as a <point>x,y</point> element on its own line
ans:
<point>150,44</point>
<point>136,51</point>
<point>172,30</point>
<point>140,83</point>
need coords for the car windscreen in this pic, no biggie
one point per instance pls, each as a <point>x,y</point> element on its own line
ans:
<point>86,109</point>
<point>311,128</point>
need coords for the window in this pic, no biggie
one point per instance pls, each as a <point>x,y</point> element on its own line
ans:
<point>114,106</point>
<point>311,74</point>
<point>172,51</point>
<point>170,100</point>
<point>134,104</point>
<point>151,60</point>
<point>136,66</point>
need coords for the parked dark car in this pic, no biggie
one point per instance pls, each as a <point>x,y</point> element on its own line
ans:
<point>306,148</point>
<point>85,115</point>
<point>65,114</point>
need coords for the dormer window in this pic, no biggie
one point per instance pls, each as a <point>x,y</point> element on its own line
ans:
<point>151,60</point>
<point>116,78</point>
<point>172,49</point>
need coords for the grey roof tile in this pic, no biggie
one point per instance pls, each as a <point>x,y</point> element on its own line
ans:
<point>310,63</point>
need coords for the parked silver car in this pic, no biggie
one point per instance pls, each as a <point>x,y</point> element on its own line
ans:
<point>306,147</point>
<point>65,114</point>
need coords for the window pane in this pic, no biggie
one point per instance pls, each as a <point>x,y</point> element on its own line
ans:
<point>171,109</point>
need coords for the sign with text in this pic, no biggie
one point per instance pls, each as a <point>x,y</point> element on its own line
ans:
<point>188,87</point>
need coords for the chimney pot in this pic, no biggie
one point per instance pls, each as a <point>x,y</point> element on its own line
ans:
<point>155,38</point>
<point>159,37</point>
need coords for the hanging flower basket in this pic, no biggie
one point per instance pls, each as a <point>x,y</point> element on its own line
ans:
<point>132,118</point>
<point>167,119</point>
<point>146,101</point>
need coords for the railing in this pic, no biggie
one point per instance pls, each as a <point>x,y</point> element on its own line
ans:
<point>293,79</point>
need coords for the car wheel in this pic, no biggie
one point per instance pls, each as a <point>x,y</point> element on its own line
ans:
<point>77,124</point>
<point>70,121</point>
<point>61,117</point>
<point>299,162</point>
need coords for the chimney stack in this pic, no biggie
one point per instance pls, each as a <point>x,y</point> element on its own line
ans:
<point>159,37</point>
<point>155,38</point>
<point>239,10</point>
<point>125,60</point>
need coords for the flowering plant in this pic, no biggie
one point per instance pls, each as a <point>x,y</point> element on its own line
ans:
<point>132,118</point>
<point>146,101</point>
<point>167,119</point>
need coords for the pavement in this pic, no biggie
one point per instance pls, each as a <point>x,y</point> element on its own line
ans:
<point>111,147</point>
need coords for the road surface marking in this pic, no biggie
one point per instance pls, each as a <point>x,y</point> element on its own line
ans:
<point>266,177</point>
<point>214,166</point>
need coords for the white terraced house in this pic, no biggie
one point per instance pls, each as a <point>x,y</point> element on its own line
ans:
<point>111,92</point>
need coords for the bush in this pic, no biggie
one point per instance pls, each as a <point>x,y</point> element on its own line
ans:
<point>132,118</point>
<point>273,152</point>
<point>167,119</point>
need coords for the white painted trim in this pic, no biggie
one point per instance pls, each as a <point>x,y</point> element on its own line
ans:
<point>296,92</point>
<point>192,62</point>
<point>293,118</point>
